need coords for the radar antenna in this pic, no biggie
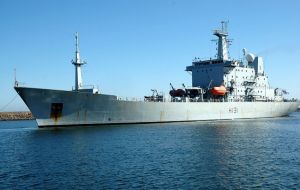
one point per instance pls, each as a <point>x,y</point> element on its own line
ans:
<point>224,26</point>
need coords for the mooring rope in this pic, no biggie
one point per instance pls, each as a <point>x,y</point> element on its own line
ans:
<point>11,101</point>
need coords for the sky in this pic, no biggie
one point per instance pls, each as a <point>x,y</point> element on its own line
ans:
<point>132,46</point>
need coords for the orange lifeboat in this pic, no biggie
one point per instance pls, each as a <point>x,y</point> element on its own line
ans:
<point>218,91</point>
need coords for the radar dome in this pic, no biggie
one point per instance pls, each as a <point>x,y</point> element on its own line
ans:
<point>250,57</point>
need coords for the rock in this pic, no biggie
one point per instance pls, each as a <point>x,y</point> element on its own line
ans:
<point>5,116</point>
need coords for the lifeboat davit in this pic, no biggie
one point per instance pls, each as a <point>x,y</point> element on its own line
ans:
<point>218,91</point>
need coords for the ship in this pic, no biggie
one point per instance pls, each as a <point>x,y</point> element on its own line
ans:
<point>222,88</point>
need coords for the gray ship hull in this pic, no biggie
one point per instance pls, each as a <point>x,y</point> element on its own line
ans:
<point>68,108</point>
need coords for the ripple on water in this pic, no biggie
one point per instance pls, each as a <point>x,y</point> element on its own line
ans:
<point>262,153</point>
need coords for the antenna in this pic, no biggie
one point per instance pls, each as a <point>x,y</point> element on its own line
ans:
<point>223,22</point>
<point>224,26</point>
<point>77,57</point>
<point>244,51</point>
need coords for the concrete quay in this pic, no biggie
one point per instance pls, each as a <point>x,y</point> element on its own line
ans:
<point>7,116</point>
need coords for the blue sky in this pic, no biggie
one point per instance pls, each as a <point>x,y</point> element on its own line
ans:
<point>132,46</point>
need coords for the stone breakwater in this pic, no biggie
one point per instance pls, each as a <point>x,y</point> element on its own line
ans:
<point>6,116</point>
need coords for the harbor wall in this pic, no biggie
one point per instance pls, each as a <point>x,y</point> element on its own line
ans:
<point>7,116</point>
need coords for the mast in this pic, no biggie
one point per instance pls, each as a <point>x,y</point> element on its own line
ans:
<point>15,77</point>
<point>77,63</point>
<point>222,34</point>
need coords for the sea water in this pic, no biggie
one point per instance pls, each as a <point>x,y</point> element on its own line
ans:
<point>261,153</point>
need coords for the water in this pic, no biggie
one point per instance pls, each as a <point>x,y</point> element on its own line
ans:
<point>262,153</point>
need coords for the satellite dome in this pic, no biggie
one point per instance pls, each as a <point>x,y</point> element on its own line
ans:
<point>250,57</point>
